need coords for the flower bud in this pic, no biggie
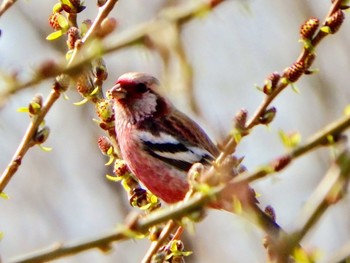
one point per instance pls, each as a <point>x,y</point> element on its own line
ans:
<point>308,29</point>
<point>268,116</point>
<point>104,110</point>
<point>104,144</point>
<point>41,135</point>
<point>271,83</point>
<point>294,72</point>
<point>73,35</point>
<point>241,119</point>
<point>36,104</point>
<point>281,163</point>
<point>334,21</point>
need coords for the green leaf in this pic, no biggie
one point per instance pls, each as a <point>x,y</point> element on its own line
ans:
<point>1,235</point>
<point>4,196</point>
<point>94,91</point>
<point>129,233</point>
<point>63,22</point>
<point>290,140</point>
<point>347,110</point>
<point>326,29</point>
<point>45,149</point>
<point>295,88</point>
<point>55,35</point>
<point>114,178</point>
<point>110,161</point>
<point>23,109</point>
<point>57,7</point>
<point>82,102</point>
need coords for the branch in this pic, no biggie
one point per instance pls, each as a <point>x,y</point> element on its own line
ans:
<point>331,189</point>
<point>321,138</point>
<point>137,34</point>
<point>130,230</point>
<point>52,98</point>
<point>5,5</point>
<point>305,59</point>
<point>176,211</point>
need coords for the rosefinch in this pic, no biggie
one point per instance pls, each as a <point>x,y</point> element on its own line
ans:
<point>158,142</point>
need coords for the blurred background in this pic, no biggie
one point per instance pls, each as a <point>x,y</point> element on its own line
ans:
<point>64,195</point>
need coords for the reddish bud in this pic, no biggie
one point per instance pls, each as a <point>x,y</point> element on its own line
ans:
<point>268,116</point>
<point>48,68</point>
<point>101,3</point>
<point>281,163</point>
<point>138,197</point>
<point>84,85</point>
<point>271,83</point>
<point>41,135</point>
<point>120,168</point>
<point>73,35</point>
<point>335,20</point>
<point>104,144</point>
<point>36,104</point>
<point>270,212</point>
<point>105,110</point>
<point>308,29</point>
<point>53,20</point>
<point>294,72</point>
<point>241,119</point>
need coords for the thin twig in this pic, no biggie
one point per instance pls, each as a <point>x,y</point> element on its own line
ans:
<point>282,85</point>
<point>329,192</point>
<point>26,142</point>
<point>32,128</point>
<point>140,225</point>
<point>320,138</point>
<point>120,41</point>
<point>156,245</point>
<point>5,5</point>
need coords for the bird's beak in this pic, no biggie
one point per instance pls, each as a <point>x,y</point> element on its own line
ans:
<point>118,92</point>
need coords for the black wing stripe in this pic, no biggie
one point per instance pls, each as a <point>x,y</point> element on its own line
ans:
<point>165,147</point>
<point>179,164</point>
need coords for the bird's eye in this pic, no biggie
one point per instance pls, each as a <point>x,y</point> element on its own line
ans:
<point>141,88</point>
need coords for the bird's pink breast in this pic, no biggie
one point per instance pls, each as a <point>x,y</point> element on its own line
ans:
<point>161,179</point>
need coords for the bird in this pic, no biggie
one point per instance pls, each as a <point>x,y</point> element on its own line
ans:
<point>160,144</point>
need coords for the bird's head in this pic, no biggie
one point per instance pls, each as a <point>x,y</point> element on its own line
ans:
<point>136,95</point>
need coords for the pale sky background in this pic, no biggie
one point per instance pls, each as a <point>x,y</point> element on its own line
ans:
<point>64,195</point>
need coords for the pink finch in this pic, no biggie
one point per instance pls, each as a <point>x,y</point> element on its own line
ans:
<point>160,144</point>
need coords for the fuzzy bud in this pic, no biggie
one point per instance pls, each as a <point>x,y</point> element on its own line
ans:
<point>294,72</point>
<point>73,35</point>
<point>120,168</point>
<point>271,83</point>
<point>84,85</point>
<point>241,119</point>
<point>53,21</point>
<point>41,135</point>
<point>61,83</point>
<point>73,7</point>
<point>105,110</point>
<point>138,197</point>
<point>334,21</point>
<point>104,144</point>
<point>308,29</point>
<point>35,105</point>
<point>268,116</point>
